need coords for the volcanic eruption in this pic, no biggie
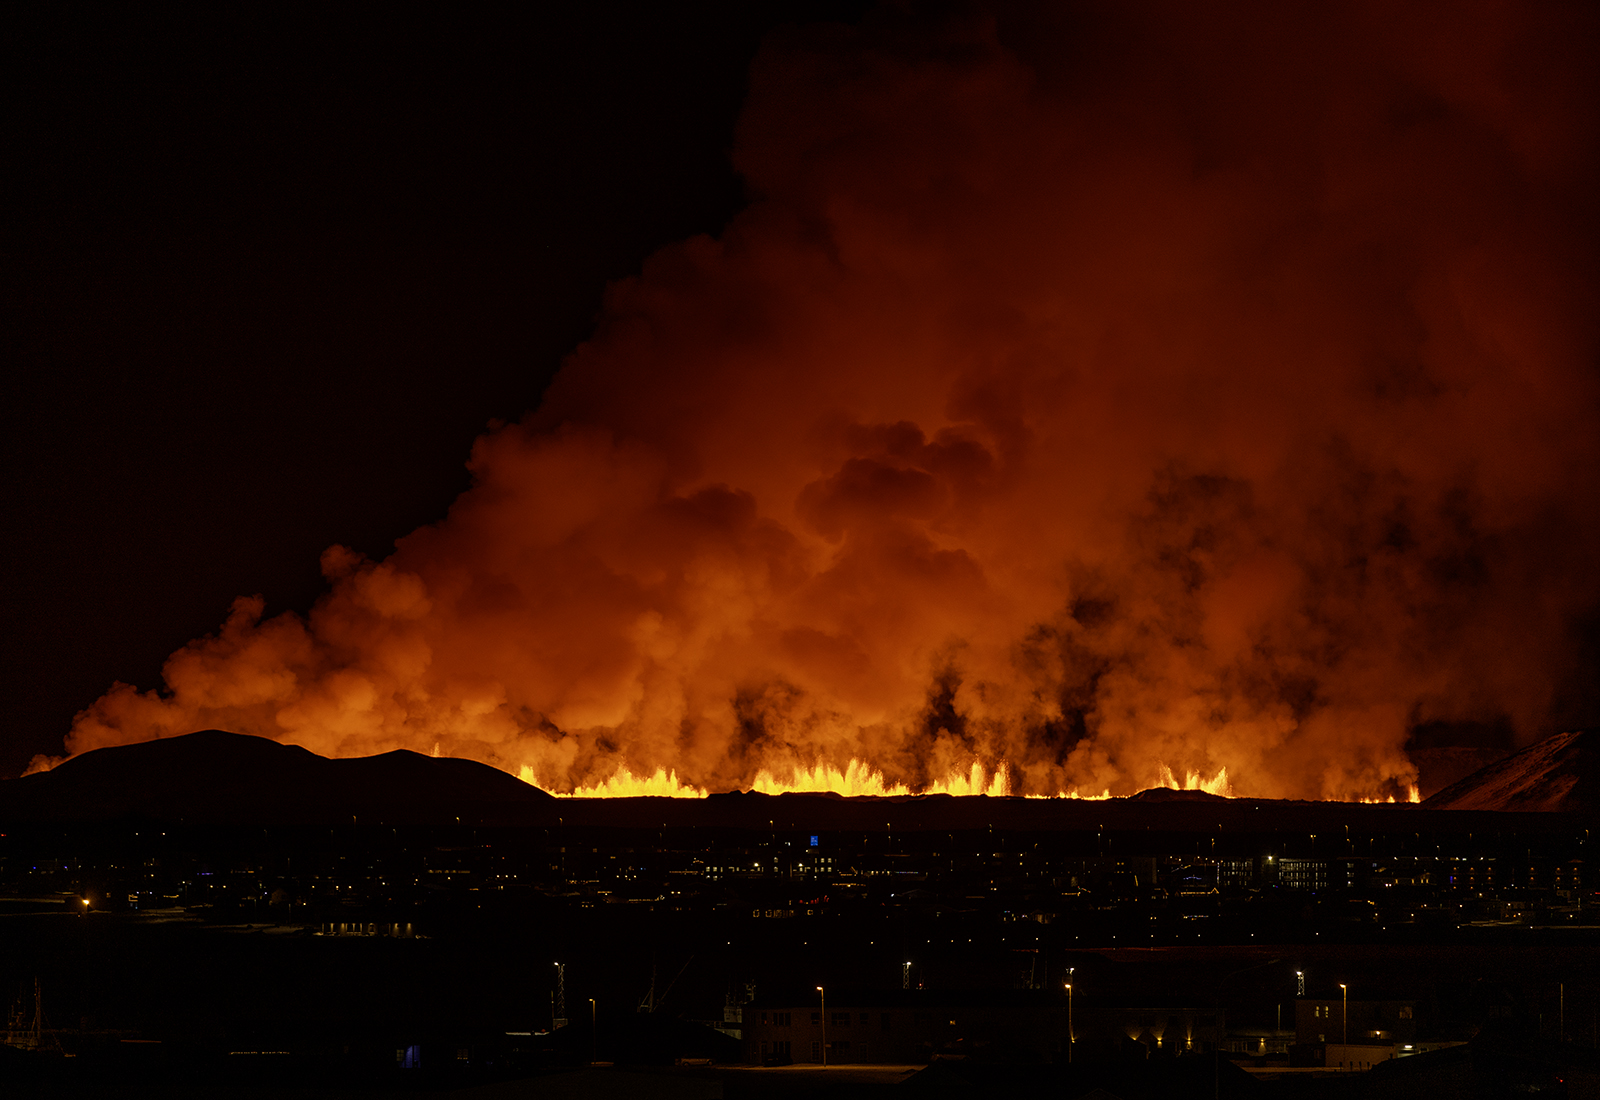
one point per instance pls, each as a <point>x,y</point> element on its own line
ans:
<point>1087,396</point>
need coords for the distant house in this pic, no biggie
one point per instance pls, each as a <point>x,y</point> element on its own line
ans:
<point>1326,1021</point>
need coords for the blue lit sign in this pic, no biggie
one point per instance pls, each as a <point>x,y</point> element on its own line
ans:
<point>813,841</point>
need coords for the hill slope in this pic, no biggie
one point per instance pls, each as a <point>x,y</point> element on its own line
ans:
<point>230,778</point>
<point>1560,773</point>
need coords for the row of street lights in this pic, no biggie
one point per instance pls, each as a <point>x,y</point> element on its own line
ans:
<point>1072,1035</point>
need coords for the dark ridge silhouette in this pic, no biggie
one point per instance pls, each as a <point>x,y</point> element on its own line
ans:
<point>231,778</point>
<point>1560,773</point>
<point>221,778</point>
<point>1168,794</point>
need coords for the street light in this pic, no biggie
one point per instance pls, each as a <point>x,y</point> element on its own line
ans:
<point>1345,990</point>
<point>1300,979</point>
<point>594,1031</point>
<point>1071,1038</point>
<point>821,993</point>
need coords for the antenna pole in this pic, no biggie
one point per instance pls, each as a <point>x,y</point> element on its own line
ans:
<point>561,997</point>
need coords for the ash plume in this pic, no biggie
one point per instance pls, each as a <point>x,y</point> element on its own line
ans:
<point>1086,390</point>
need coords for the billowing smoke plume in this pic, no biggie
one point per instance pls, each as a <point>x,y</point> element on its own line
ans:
<point>1200,386</point>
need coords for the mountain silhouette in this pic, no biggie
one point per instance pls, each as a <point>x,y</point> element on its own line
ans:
<point>230,778</point>
<point>218,778</point>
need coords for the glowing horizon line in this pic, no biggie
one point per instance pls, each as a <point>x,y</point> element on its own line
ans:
<point>858,779</point>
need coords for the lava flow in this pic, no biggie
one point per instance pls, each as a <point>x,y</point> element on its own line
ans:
<point>858,780</point>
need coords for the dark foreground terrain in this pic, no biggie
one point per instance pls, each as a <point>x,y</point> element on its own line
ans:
<point>236,923</point>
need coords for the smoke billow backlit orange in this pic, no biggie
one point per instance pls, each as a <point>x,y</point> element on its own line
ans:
<point>1086,399</point>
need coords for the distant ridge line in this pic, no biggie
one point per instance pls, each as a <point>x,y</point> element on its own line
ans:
<point>227,779</point>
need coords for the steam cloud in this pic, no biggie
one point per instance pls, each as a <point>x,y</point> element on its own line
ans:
<point>1086,392</point>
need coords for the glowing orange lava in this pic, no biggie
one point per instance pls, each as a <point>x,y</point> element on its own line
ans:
<point>855,780</point>
<point>1412,795</point>
<point>1194,781</point>
<point>624,784</point>
<point>859,779</point>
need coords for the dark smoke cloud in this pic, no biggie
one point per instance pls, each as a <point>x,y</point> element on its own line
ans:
<point>1085,391</point>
